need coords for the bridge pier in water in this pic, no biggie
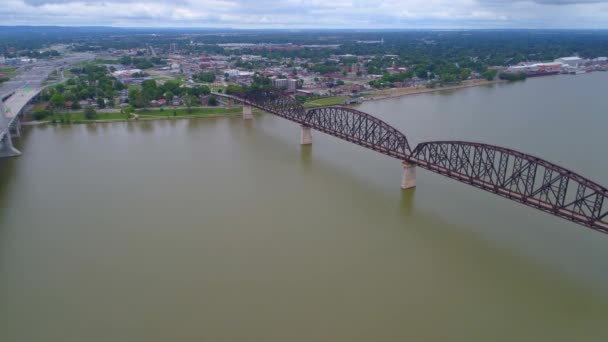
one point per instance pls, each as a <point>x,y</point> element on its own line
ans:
<point>247,112</point>
<point>408,181</point>
<point>305,135</point>
<point>15,128</point>
<point>6,147</point>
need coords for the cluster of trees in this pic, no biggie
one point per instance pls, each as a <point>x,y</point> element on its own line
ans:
<point>489,74</point>
<point>150,90</point>
<point>325,67</point>
<point>446,75</point>
<point>90,82</point>
<point>513,76</point>
<point>258,82</point>
<point>249,65</point>
<point>389,79</point>
<point>33,54</point>
<point>492,47</point>
<point>207,77</point>
<point>142,63</point>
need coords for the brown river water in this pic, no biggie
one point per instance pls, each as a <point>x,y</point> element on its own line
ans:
<point>222,230</point>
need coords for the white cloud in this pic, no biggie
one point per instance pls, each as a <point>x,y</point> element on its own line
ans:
<point>310,13</point>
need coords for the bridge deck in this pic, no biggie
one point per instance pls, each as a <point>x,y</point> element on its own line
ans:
<point>16,102</point>
<point>511,174</point>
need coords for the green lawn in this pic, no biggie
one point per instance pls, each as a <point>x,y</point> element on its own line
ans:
<point>183,112</point>
<point>326,101</point>
<point>106,61</point>
<point>76,117</point>
<point>10,72</point>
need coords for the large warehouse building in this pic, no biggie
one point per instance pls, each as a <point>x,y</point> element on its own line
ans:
<point>570,61</point>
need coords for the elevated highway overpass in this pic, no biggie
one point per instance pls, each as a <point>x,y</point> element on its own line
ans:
<point>11,109</point>
<point>17,93</point>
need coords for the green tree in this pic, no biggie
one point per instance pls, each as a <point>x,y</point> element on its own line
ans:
<point>57,100</point>
<point>149,90</point>
<point>90,113</point>
<point>189,101</point>
<point>518,76</point>
<point>136,98</point>
<point>208,77</point>
<point>234,89</point>
<point>490,74</point>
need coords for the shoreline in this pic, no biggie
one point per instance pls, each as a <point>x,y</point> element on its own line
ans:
<point>415,91</point>
<point>399,92</point>
<point>135,119</point>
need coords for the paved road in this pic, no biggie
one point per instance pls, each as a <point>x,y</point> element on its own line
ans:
<point>28,83</point>
<point>33,75</point>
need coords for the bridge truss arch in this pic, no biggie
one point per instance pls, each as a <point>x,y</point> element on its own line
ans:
<point>359,128</point>
<point>511,174</point>
<point>520,177</point>
<point>271,101</point>
<point>345,123</point>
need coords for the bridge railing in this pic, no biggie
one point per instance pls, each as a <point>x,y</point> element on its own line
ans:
<point>520,177</point>
<point>511,174</point>
<point>359,128</point>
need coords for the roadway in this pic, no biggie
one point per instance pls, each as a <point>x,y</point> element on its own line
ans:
<point>33,75</point>
<point>28,83</point>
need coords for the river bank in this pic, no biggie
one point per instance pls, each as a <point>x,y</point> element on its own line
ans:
<point>143,115</point>
<point>399,92</point>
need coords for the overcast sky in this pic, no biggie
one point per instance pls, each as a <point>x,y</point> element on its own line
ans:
<point>309,13</point>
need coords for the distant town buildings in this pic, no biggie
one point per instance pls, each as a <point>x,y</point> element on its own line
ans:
<point>565,65</point>
<point>570,61</point>
<point>280,83</point>
<point>290,85</point>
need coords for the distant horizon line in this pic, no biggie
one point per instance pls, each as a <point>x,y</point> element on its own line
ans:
<point>305,28</point>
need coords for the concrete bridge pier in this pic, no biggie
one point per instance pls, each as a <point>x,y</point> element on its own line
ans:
<point>6,147</point>
<point>15,128</point>
<point>408,181</point>
<point>305,135</point>
<point>247,112</point>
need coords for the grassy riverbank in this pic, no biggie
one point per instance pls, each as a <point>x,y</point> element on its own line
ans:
<point>183,112</point>
<point>325,101</point>
<point>398,92</point>
<point>76,117</point>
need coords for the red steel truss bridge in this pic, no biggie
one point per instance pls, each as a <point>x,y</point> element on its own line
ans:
<point>511,174</point>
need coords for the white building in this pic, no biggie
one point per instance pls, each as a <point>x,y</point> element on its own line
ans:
<point>281,83</point>
<point>292,85</point>
<point>536,67</point>
<point>570,61</point>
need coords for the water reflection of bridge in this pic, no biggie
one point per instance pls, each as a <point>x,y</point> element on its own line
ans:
<point>11,109</point>
<point>511,174</point>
